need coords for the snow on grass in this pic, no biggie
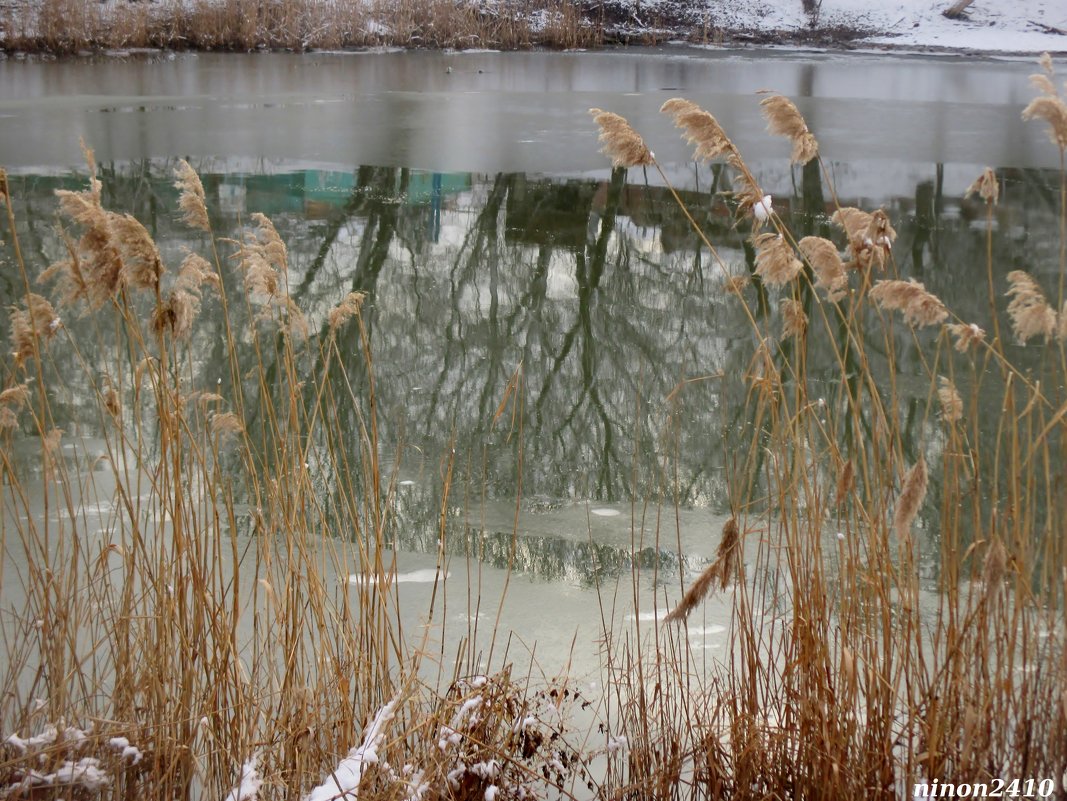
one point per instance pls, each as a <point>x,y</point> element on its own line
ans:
<point>345,779</point>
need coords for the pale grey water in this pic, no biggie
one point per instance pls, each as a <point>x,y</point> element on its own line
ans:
<point>513,112</point>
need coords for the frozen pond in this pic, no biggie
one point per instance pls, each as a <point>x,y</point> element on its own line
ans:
<point>465,194</point>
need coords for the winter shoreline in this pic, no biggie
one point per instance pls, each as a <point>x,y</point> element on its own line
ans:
<point>87,27</point>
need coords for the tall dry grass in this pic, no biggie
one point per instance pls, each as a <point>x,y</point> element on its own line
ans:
<point>899,612</point>
<point>230,627</point>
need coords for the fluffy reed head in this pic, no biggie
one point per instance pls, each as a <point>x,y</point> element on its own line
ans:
<point>142,267</point>
<point>191,197</point>
<point>776,263</point>
<point>1049,106</point>
<point>700,129</point>
<point>11,400</point>
<point>919,307</point>
<point>968,335</point>
<point>94,271</point>
<point>785,119</point>
<point>950,400</point>
<point>826,266</point>
<point>346,309</point>
<point>1031,315</point>
<point>910,500</point>
<point>31,325</point>
<point>727,565</point>
<point>985,186</point>
<point>621,143</point>
<point>794,320</point>
<point>1054,112</point>
<point>870,236</point>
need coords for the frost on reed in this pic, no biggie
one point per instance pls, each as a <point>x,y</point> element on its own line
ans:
<point>826,265</point>
<point>1031,315</point>
<point>776,263</point>
<point>919,307</point>
<point>621,143</point>
<point>1049,105</point>
<point>785,119</point>
<point>727,566</point>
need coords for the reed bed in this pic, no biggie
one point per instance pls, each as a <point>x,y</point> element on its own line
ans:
<point>898,616</point>
<point>71,26</point>
<point>195,648</point>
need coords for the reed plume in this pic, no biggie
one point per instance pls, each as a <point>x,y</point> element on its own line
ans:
<point>346,309</point>
<point>968,335</point>
<point>776,263</point>
<point>94,271</point>
<point>870,236</point>
<point>727,564</point>
<point>700,129</point>
<point>826,265</point>
<point>225,426</point>
<point>846,480</point>
<point>191,197</point>
<point>919,307</point>
<point>1054,112</point>
<point>38,319</point>
<point>785,119</point>
<point>794,320</point>
<point>1031,315</point>
<point>951,402</point>
<point>622,144</point>
<point>142,267</point>
<point>912,494</point>
<point>1049,106</point>
<point>985,186</point>
<point>12,400</point>
<point>734,284</point>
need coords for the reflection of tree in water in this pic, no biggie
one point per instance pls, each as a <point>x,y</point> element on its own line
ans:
<point>595,289</point>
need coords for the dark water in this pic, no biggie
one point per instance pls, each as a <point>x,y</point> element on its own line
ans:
<point>496,246</point>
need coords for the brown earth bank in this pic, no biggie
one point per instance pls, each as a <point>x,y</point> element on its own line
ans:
<point>62,27</point>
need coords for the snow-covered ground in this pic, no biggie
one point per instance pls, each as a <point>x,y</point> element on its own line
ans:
<point>1010,26</point>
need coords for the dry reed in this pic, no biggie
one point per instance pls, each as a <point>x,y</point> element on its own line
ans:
<point>621,143</point>
<point>919,307</point>
<point>725,567</point>
<point>776,263</point>
<point>1031,315</point>
<point>784,119</point>
<point>826,265</point>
